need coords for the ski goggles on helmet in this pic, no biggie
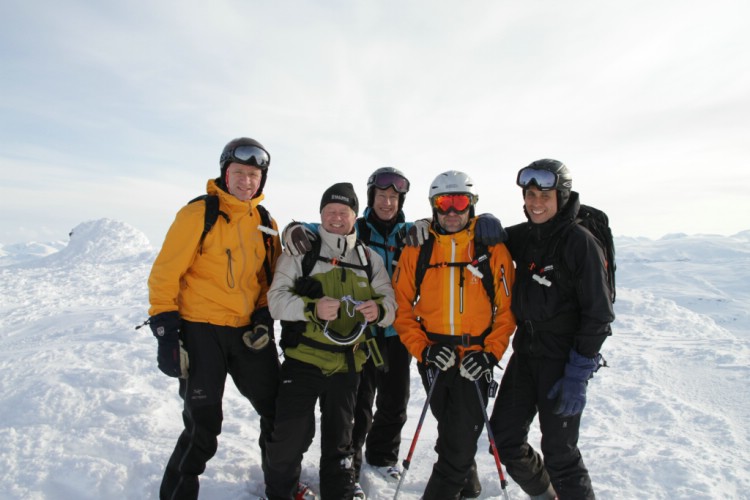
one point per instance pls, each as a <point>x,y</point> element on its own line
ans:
<point>251,155</point>
<point>458,203</point>
<point>543,179</point>
<point>384,180</point>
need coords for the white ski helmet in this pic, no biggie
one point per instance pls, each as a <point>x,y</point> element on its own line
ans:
<point>453,182</point>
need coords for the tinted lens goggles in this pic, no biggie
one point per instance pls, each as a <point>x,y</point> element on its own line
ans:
<point>252,155</point>
<point>388,179</point>
<point>543,179</point>
<point>458,203</point>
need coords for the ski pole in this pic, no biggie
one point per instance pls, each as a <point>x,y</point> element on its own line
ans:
<point>491,438</point>
<point>407,461</point>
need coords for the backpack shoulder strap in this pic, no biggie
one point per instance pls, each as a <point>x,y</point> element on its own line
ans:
<point>265,220</point>
<point>363,251</point>
<point>423,262</point>
<point>488,280</point>
<point>363,230</point>
<point>310,258</point>
<point>211,215</point>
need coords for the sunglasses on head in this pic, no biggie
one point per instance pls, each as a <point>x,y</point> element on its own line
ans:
<point>543,179</point>
<point>458,203</point>
<point>389,179</point>
<point>252,155</point>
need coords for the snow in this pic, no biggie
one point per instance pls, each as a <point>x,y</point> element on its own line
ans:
<point>85,413</point>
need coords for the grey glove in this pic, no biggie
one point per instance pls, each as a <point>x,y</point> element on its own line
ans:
<point>418,233</point>
<point>297,238</point>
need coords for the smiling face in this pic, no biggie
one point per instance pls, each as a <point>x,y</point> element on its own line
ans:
<point>540,205</point>
<point>338,218</point>
<point>385,203</point>
<point>243,181</point>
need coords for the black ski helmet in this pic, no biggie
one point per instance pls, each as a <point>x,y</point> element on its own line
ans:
<point>260,159</point>
<point>564,179</point>
<point>383,178</point>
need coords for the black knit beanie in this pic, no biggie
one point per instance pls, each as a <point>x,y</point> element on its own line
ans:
<point>342,192</point>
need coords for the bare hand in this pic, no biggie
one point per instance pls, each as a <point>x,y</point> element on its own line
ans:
<point>369,310</point>
<point>327,309</point>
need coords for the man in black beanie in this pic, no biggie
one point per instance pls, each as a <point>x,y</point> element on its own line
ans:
<point>326,300</point>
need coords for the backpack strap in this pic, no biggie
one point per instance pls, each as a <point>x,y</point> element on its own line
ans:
<point>210,216</point>
<point>313,255</point>
<point>480,264</point>
<point>423,263</point>
<point>265,220</point>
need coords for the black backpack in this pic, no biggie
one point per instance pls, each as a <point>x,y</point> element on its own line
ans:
<point>212,215</point>
<point>597,223</point>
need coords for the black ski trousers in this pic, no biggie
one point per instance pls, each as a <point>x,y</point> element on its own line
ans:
<point>302,385</point>
<point>523,393</point>
<point>382,432</point>
<point>459,412</point>
<point>215,351</point>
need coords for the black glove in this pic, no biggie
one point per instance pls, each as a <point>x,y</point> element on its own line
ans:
<point>261,330</point>
<point>297,238</point>
<point>478,363</point>
<point>570,390</point>
<point>489,231</point>
<point>441,355</point>
<point>308,287</point>
<point>170,356</point>
<point>418,233</point>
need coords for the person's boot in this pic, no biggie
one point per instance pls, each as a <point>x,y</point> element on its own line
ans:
<point>472,487</point>
<point>436,490</point>
<point>549,494</point>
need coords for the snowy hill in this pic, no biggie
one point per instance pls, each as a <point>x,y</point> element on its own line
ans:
<point>86,414</point>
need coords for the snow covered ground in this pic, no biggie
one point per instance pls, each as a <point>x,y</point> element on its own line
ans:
<point>85,413</point>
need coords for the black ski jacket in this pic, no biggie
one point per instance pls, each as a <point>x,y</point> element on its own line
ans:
<point>560,296</point>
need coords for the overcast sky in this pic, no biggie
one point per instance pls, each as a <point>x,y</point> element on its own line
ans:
<point>120,109</point>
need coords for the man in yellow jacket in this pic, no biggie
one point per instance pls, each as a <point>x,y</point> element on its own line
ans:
<point>209,311</point>
<point>457,323</point>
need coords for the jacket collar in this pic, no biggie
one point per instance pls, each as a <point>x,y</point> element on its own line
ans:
<point>340,244</point>
<point>231,203</point>
<point>460,237</point>
<point>561,219</point>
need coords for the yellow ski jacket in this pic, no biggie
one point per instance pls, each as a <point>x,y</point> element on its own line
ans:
<point>223,283</point>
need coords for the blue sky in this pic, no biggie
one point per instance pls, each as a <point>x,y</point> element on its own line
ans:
<point>120,109</point>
